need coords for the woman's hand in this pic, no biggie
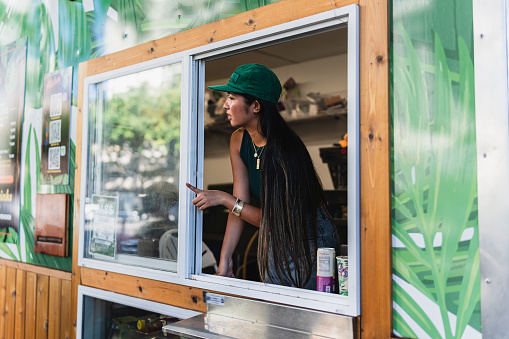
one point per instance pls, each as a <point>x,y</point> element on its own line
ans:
<point>225,268</point>
<point>205,199</point>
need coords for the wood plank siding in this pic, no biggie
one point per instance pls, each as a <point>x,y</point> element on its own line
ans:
<point>36,302</point>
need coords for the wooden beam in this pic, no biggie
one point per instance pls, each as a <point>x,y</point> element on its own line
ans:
<point>375,223</point>
<point>256,19</point>
<point>36,269</point>
<point>158,291</point>
<point>76,270</point>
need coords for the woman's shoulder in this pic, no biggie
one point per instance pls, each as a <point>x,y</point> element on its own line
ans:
<point>236,138</point>
<point>238,134</point>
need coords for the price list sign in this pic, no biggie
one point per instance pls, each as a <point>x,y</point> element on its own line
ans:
<point>56,111</point>
<point>12,102</point>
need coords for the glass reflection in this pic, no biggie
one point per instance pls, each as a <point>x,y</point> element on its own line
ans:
<point>133,168</point>
<point>106,319</point>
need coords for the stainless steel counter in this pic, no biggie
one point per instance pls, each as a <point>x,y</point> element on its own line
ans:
<point>234,317</point>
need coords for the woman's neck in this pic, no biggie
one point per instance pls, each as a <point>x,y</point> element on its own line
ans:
<point>258,139</point>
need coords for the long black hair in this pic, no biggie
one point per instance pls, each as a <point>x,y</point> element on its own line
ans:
<point>291,192</point>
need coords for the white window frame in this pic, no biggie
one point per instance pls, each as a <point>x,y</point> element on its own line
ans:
<point>188,158</point>
<point>192,158</point>
<point>147,305</point>
<point>346,16</point>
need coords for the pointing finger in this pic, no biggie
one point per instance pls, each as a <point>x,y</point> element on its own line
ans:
<point>192,188</point>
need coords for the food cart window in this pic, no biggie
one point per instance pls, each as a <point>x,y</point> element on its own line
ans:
<point>317,66</point>
<point>130,188</point>
<point>145,129</point>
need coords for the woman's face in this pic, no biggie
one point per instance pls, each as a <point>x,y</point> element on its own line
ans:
<point>238,112</point>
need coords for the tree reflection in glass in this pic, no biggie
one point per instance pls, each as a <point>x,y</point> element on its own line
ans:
<point>134,142</point>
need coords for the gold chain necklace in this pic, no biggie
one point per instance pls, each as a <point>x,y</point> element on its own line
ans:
<point>256,155</point>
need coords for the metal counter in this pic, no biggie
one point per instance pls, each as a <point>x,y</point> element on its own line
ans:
<point>232,317</point>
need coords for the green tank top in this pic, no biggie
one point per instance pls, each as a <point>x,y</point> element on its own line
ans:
<point>247,154</point>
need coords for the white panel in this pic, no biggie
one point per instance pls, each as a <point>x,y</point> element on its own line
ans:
<point>492,121</point>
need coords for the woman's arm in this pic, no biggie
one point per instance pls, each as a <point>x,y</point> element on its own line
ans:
<point>205,199</point>
<point>234,225</point>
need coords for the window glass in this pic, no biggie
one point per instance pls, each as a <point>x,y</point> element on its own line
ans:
<point>107,319</point>
<point>131,204</point>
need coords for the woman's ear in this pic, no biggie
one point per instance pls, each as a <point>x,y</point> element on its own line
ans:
<point>256,106</point>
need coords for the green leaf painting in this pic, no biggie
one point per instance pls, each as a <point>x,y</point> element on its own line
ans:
<point>435,229</point>
<point>62,33</point>
<point>436,275</point>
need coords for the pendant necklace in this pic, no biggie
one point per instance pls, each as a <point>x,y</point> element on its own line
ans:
<point>256,155</point>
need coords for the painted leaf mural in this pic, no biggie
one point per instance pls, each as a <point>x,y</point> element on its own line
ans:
<point>436,275</point>
<point>436,251</point>
<point>63,33</point>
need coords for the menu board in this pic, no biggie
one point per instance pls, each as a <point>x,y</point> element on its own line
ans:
<point>56,112</point>
<point>12,102</point>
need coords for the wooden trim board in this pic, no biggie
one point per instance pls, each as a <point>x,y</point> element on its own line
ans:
<point>375,223</point>
<point>36,269</point>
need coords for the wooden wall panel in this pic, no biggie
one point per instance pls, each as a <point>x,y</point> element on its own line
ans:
<point>20,317</point>
<point>31,304</point>
<point>66,311</point>
<point>3,275</point>
<point>41,321</point>
<point>55,297</point>
<point>36,302</point>
<point>10,302</point>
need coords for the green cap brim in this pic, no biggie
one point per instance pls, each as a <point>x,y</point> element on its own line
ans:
<point>226,88</point>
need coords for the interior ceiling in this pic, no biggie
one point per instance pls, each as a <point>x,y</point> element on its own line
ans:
<point>312,47</point>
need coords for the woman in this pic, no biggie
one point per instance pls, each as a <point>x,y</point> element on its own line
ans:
<point>270,162</point>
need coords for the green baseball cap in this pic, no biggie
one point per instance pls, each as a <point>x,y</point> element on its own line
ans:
<point>253,79</point>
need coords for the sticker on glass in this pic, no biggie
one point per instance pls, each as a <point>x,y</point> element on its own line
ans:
<point>55,108</point>
<point>54,158</point>
<point>55,131</point>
